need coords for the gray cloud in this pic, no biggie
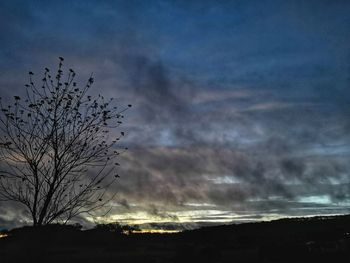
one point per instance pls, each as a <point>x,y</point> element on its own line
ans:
<point>243,106</point>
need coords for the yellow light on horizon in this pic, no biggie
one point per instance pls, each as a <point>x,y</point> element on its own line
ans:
<point>156,231</point>
<point>2,235</point>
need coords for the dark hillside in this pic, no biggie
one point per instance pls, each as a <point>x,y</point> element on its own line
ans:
<point>287,240</point>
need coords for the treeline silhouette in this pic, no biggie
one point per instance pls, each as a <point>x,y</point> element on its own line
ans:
<point>317,239</point>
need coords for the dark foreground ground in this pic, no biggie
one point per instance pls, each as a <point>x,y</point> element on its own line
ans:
<point>320,239</point>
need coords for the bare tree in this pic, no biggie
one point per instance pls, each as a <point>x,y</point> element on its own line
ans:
<point>57,157</point>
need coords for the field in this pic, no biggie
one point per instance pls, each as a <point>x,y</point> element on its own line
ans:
<point>318,239</point>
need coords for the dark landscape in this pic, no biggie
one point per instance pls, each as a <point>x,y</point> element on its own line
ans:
<point>174,131</point>
<point>316,239</point>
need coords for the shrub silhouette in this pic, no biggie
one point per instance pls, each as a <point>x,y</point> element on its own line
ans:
<point>116,228</point>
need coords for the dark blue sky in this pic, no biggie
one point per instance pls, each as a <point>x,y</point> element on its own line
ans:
<point>241,107</point>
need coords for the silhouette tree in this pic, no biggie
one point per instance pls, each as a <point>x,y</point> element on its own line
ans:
<point>57,157</point>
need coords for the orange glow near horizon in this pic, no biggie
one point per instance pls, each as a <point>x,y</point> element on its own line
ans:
<point>156,231</point>
<point>2,235</point>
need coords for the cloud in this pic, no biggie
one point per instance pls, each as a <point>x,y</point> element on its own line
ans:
<point>13,215</point>
<point>234,104</point>
<point>157,93</point>
<point>163,215</point>
<point>172,177</point>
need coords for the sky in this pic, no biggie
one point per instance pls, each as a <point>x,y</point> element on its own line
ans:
<point>240,108</point>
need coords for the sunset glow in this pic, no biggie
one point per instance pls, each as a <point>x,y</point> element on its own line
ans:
<point>240,109</point>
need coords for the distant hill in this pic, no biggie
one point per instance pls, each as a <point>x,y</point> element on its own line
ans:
<point>317,239</point>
